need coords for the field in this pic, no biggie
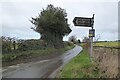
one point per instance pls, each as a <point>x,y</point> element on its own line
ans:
<point>107,44</point>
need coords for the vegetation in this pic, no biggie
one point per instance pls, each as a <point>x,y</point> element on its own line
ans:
<point>85,39</point>
<point>80,67</point>
<point>29,49</point>
<point>52,25</point>
<point>33,53</point>
<point>78,41</point>
<point>6,43</point>
<point>72,39</point>
<point>107,61</point>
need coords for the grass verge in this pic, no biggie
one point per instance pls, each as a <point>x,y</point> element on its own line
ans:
<point>80,67</point>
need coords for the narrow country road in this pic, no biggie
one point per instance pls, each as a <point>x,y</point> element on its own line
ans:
<point>40,69</point>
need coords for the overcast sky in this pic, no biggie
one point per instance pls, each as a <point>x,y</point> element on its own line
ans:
<point>15,15</point>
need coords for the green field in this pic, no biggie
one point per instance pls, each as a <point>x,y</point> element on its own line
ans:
<point>80,67</point>
<point>108,44</point>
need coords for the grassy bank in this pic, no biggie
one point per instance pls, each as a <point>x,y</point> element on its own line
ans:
<point>107,58</point>
<point>80,67</point>
<point>21,56</point>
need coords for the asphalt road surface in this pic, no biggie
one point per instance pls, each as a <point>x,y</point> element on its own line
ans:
<point>40,69</point>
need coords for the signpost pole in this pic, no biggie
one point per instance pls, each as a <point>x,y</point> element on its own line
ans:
<point>91,40</point>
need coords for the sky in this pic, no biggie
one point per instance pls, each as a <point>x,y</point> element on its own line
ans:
<point>15,16</point>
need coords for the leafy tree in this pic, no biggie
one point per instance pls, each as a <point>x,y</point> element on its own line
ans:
<point>72,39</point>
<point>31,44</point>
<point>51,23</point>
<point>85,39</point>
<point>78,41</point>
<point>6,43</point>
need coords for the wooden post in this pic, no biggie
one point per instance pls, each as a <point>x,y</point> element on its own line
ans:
<point>91,40</point>
<point>14,45</point>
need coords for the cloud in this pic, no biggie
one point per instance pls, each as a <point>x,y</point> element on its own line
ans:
<point>16,15</point>
<point>15,20</point>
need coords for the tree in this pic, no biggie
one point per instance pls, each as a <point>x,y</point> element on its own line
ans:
<point>51,23</point>
<point>85,39</point>
<point>79,41</point>
<point>72,39</point>
<point>98,36</point>
<point>8,43</point>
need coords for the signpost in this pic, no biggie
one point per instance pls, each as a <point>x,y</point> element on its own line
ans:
<point>86,22</point>
<point>91,33</point>
<point>82,21</point>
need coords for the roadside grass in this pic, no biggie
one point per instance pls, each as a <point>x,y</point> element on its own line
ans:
<point>80,67</point>
<point>34,53</point>
<point>108,44</point>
